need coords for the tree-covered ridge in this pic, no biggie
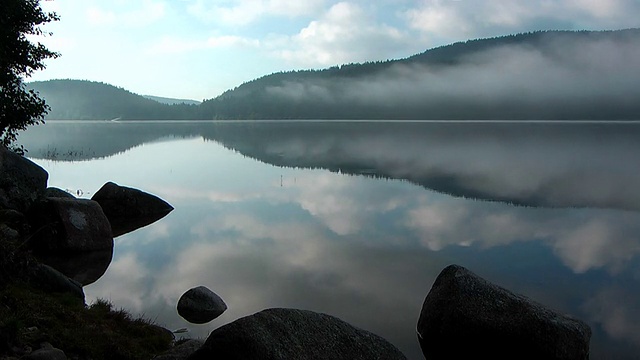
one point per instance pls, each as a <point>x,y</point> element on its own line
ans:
<point>88,100</point>
<point>508,77</point>
<point>552,75</point>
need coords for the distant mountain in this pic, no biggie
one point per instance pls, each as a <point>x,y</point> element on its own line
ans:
<point>87,100</point>
<point>541,75</point>
<point>548,75</point>
<point>171,101</point>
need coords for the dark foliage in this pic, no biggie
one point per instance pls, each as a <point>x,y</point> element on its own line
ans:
<point>89,100</point>
<point>328,94</point>
<point>19,58</point>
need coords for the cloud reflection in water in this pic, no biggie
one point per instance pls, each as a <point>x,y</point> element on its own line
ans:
<point>364,249</point>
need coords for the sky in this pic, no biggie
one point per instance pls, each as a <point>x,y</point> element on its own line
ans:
<point>197,49</point>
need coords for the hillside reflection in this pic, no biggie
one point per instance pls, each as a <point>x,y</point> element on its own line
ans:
<point>531,164</point>
<point>368,249</point>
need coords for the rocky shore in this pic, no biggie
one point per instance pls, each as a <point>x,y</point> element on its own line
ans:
<point>52,244</point>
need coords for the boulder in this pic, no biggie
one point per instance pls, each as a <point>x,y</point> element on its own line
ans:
<point>62,225</point>
<point>465,316</point>
<point>182,351</point>
<point>57,193</point>
<point>200,305</point>
<point>294,334</point>
<point>85,267</point>
<point>22,181</point>
<point>49,279</point>
<point>129,209</point>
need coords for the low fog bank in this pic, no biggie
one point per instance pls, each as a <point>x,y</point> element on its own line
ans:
<point>565,77</point>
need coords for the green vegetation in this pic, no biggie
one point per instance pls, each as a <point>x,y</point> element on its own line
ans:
<point>462,81</point>
<point>87,100</point>
<point>553,75</point>
<point>29,317</point>
<point>19,58</point>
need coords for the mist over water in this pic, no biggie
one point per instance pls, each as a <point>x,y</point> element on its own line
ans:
<point>596,77</point>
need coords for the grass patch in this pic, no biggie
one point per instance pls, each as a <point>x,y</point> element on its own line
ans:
<point>98,331</point>
<point>30,316</point>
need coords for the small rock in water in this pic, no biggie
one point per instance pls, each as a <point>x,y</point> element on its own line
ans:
<point>129,209</point>
<point>200,305</point>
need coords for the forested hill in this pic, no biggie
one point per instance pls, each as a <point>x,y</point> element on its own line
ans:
<point>550,75</point>
<point>87,100</point>
<point>541,75</point>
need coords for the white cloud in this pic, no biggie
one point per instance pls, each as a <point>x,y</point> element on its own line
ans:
<point>176,45</point>
<point>597,243</point>
<point>144,14</point>
<point>244,12</point>
<point>616,309</point>
<point>458,20</point>
<point>122,284</point>
<point>439,19</point>
<point>599,9</point>
<point>345,33</point>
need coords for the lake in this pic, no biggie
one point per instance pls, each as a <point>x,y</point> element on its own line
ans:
<point>356,219</point>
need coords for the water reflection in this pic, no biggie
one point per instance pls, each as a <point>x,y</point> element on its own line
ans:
<point>533,164</point>
<point>367,249</point>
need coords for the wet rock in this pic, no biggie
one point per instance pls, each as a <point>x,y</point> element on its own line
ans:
<point>294,334</point>
<point>62,225</point>
<point>200,305</point>
<point>85,267</point>
<point>58,193</point>
<point>182,351</point>
<point>22,181</point>
<point>129,209</point>
<point>465,316</point>
<point>49,279</point>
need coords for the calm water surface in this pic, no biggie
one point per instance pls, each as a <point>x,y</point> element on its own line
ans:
<point>357,219</point>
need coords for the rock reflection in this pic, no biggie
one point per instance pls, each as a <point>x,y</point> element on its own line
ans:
<point>85,268</point>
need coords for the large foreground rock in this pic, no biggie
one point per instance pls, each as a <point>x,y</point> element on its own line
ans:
<point>62,225</point>
<point>294,334</point>
<point>21,181</point>
<point>129,209</point>
<point>49,279</point>
<point>465,316</point>
<point>200,305</point>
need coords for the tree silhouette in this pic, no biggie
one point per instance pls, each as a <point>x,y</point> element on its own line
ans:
<point>19,58</point>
